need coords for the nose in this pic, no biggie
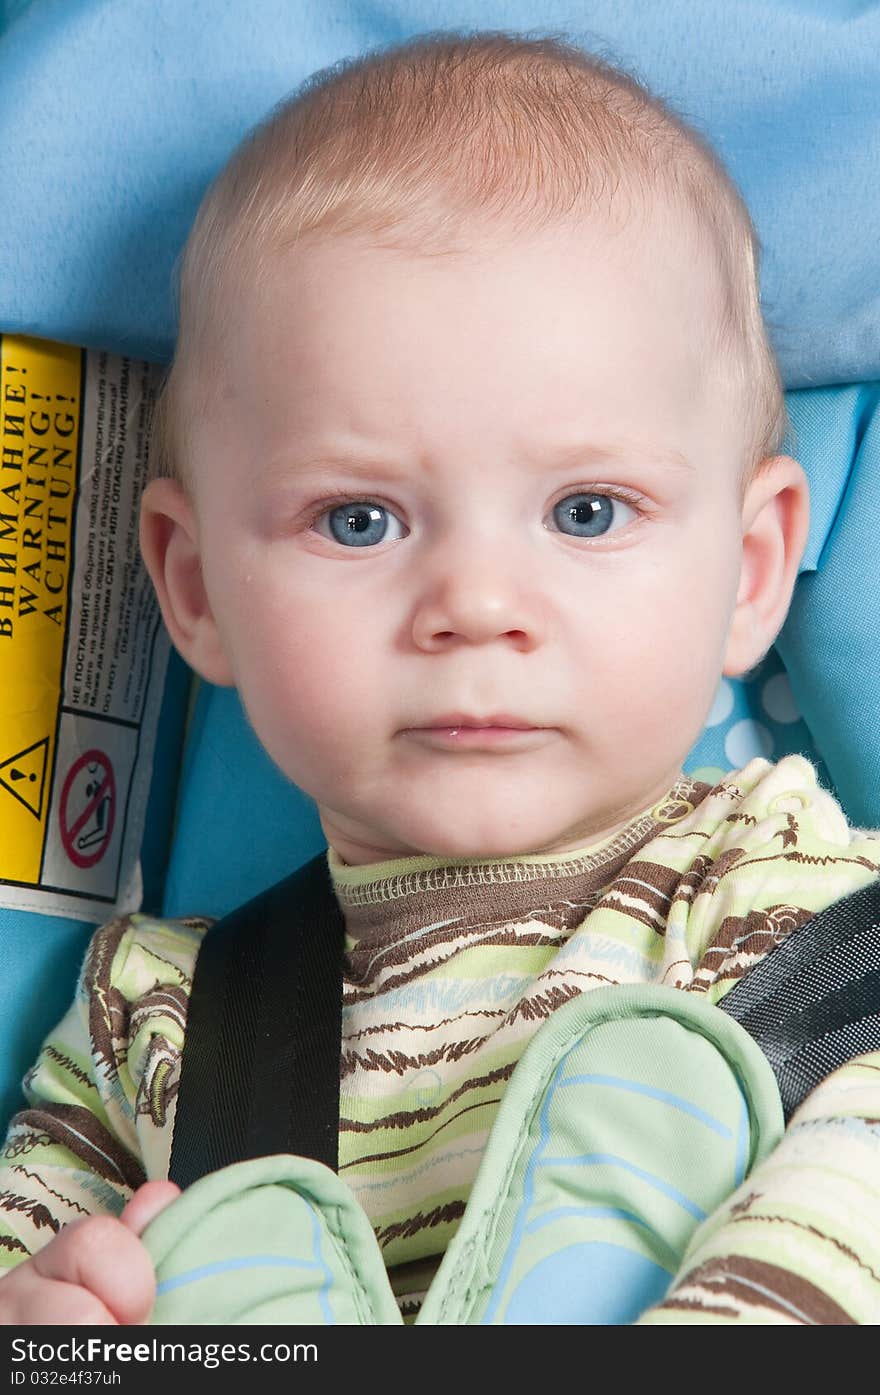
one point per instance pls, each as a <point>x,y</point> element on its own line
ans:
<point>477,593</point>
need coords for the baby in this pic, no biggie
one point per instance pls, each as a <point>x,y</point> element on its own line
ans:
<point>471,486</point>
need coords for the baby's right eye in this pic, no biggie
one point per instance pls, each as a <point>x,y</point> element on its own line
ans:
<point>358,524</point>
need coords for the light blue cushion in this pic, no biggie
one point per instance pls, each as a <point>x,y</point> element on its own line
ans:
<point>240,825</point>
<point>830,643</point>
<point>114,114</point>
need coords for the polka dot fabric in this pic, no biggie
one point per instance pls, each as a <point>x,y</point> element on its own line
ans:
<point>753,716</point>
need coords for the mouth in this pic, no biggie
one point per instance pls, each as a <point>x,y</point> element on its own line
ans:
<point>454,721</point>
<point>459,730</point>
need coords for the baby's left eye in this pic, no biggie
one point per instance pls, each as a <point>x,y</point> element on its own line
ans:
<point>591,515</point>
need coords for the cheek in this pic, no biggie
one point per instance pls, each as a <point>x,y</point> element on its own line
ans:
<point>308,674</point>
<point>657,638</point>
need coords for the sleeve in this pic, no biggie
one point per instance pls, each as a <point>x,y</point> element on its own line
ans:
<point>799,1242</point>
<point>100,1096</point>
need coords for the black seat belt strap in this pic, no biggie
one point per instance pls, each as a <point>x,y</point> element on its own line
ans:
<point>260,1067</point>
<point>814,1002</point>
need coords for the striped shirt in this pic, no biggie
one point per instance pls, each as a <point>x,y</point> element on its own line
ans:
<point>452,965</point>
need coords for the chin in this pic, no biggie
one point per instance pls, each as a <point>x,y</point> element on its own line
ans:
<point>475,843</point>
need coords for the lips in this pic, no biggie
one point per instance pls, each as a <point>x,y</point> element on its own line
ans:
<point>459,733</point>
<point>458,720</point>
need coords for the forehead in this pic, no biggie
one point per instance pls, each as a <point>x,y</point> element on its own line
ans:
<point>588,325</point>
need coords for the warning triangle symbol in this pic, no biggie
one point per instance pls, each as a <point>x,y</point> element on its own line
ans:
<point>24,776</point>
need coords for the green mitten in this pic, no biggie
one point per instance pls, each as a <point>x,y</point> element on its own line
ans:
<point>277,1240</point>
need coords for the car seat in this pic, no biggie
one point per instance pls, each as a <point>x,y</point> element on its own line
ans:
<point>114,115</point>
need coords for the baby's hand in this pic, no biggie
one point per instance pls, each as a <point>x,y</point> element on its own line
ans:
<point>95,1271</point>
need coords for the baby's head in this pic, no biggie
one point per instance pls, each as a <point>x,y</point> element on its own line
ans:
<point>473,423</point>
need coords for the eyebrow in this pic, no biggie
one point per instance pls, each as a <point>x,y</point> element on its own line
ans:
<point>373,464</point>
<point>621,452</point>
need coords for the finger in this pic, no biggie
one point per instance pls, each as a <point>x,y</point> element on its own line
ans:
<point>103,1256</point>
<point>33,1301</point>
<point>146,1203</point>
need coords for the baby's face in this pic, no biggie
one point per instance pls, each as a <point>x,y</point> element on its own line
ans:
<point>470,530</point>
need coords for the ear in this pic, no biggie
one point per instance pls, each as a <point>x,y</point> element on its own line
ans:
<point>170,549</point>
<point>775,524</point>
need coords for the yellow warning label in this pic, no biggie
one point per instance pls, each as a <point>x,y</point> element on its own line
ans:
<point>40,422</point>
<point>24,776</point>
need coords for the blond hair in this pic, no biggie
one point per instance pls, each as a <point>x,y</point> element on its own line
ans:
<point>413,145</point>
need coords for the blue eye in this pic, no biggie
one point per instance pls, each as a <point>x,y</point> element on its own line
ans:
<point>358,524</point>
<point>590,515</point>
<point>364,523</point>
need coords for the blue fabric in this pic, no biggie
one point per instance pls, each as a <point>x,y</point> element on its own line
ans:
<point>41,955</point>
<point>10,9</point>
<point>240,824</point>
<point>114,114</point>
<point>830,643</point>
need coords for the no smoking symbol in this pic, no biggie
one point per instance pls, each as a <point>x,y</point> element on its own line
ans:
<point>88,809</point>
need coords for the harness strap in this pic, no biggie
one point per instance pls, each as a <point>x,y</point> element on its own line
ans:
<point>814,1002</point>
<point>260,1067</point>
